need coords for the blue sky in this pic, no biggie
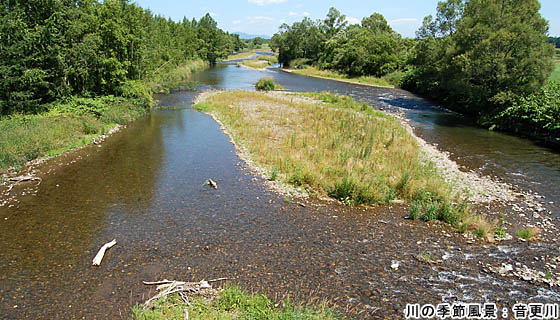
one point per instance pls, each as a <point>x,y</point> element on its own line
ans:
<point>264,16</point>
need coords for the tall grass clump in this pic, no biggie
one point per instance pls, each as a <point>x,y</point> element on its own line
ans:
<point>266,84</point>
<point>338,147</point>
<point>232,303</point>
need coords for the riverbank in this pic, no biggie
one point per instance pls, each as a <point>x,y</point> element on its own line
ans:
<point>331,75</point>
<point>77,121</point>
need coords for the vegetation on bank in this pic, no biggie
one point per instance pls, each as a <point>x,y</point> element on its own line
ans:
<point>180,77</point>
<point>67,125</point>
<point>267,84</point>
<point>535,115</point>
<point>340,148</point>
<point>477,57</point>
<point>328,74</point>
<point>77,121</point>
<point>247,54</point>
<point>232,303</point>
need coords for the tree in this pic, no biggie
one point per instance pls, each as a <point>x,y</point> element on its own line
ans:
<point>478,55</point>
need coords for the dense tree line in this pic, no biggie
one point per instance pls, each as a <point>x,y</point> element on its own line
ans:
<point>478,57</point>
<point>51,49</point>
<point>371,48</point>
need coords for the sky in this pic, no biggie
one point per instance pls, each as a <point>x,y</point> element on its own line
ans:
<point>263,17</point>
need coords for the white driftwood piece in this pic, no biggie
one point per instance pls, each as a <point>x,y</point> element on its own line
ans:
<point>213,184</point>
<point>99,256</point>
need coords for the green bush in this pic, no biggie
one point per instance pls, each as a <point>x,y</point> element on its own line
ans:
<point>137,90</point>
<point>266,84</point>
<point>536,114</point>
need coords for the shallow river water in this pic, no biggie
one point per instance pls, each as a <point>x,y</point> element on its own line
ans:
<point>145,187</point>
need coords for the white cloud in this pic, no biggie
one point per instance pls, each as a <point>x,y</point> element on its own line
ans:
<point>405,21</point>
<point>293,14</point>
<point>352,20</point>
<point>265,2</point>
<point>213,14</point>
<point>300,5</point>
<point>306,14</point>
<point>259,19</point>
<point>236,21</point>
<point>282,21</point>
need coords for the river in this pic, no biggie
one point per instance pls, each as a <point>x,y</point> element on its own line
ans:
<point>145,187</point>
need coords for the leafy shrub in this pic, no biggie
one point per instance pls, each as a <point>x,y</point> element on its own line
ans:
<point>266,84</point>
<point>536,114</point>
<point>394,78</point>
<point>137,90</point>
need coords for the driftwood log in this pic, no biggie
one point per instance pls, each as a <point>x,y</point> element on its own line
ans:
<point>101,253</point>
<point>20,179</point>
<point>212,183</point>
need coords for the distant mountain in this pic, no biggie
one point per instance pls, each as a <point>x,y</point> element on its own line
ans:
<point>243,35</point>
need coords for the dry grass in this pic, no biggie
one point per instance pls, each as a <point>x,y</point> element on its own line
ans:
<point>241,55</point>
<point>327,74</point>
<point>260,62</point>
<point>339,148</point>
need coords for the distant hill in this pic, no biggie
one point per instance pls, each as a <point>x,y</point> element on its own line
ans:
<point>243,35</point>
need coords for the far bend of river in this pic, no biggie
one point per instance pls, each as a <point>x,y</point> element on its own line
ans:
<point>145,187</point>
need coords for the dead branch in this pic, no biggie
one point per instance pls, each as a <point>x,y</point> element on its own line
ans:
<point>101,252</point>
<point>167,287</point>
<point>24,178</point>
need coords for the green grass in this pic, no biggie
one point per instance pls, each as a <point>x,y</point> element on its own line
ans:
<point>232,303</point>
<point>528,233</point>
<point>65,126</point>
<point>337,147</point>
<point>367,80</point>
